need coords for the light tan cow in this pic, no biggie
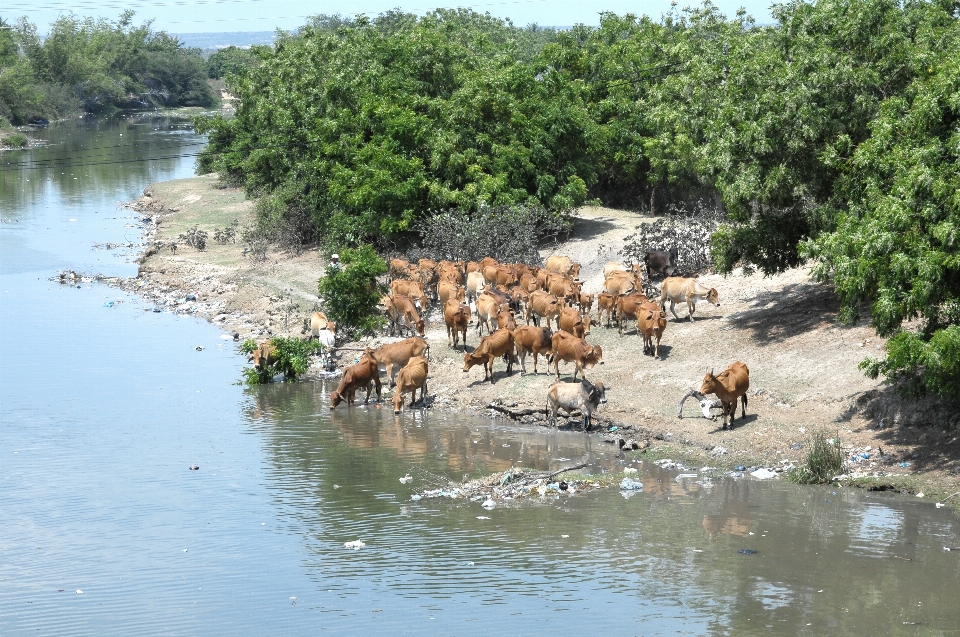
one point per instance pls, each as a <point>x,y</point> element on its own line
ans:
<point>408,312</point>
<point>318,321</point>
<point>620,284</point>
<point>491,347</point>
<point>678,289</point>
<point>488,308</point>
<point>572,323</point>
<point>543,305</point>
<point>563,265</point>
<point>413,289</point>
<point>475,283</point>
<point>457,317</point>
<point>449,290</point>
<point>607,302</point>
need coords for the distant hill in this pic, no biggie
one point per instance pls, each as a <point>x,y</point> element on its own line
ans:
<point>213,41</point>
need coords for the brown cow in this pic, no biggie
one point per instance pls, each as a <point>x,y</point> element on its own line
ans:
<point>408,311</point>
<point>488,307</point>
<point>356,377</point>
<point>730,384</point>
<point>413,289</point>
<point>571,322</point>
<point>621,284</point>
<point>457,317</point>
<point>651,323</point>
<point>399,354</point>
<point>629,306</point>
<point>449,290</point>
<point>318,321</point>
<point>607,302</point>
<point>679,289</point>
<point>585,303</point>
<point>564,287</point>
<point>571,349</point>
<point>492,346</point>
<point>263,355</point>
<point>535,340</point>
<point>543,305</point>
<point>529,282</point>
<point>412,377</point>
<point>506,319</point>
<point>563,265</point>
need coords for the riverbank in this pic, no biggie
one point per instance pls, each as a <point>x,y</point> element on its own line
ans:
<point>803,364</point>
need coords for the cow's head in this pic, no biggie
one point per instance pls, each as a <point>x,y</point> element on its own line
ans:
<point>713,297</point>
<point>335,399</point>
<point>397,402</point>
<point>599,394</point>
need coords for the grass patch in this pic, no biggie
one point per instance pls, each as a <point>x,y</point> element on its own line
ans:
<point>17,140</point>
<point>823,462</point>
<point>290,357</point>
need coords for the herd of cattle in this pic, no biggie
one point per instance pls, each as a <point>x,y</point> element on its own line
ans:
<point>500,295</point>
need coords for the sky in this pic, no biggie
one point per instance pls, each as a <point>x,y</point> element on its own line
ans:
<point>199,16</point>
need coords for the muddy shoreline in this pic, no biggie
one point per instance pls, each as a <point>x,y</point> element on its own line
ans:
<point>803,364</point>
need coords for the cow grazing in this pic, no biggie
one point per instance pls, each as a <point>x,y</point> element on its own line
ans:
<point>730,384</point>
<point>571,349</point>
<point>457,317</point>
<point>678,289</point>
<point>500,343</point>
<point>583,396</point>
<point>412,377</point>
<point>413,289</point>
<point>399,354</point>
<point>402,307</point>
<point>661,262</point>
<point>535,340</point>
<point>607,303</point>
<point>563,265</point>
<point>651,323</point>
<point>571,322</point>
<point>358,376</point>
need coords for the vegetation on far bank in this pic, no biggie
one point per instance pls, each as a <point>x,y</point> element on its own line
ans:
<point>95,65</point>
<point>829,136</point>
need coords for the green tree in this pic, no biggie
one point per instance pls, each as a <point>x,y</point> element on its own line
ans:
<point>351,293</point>
<point>229,61</point>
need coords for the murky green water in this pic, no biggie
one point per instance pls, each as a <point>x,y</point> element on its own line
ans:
<point>104,409</point>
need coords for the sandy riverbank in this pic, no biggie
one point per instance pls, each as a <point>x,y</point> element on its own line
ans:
<point>803,365</point>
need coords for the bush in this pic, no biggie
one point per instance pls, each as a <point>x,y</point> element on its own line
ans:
<point>823,462</point>
<point>17,140</point>
<point>509,234</point>
<point>352,292</point>
<point>688,227</point>
<point>291,358</point>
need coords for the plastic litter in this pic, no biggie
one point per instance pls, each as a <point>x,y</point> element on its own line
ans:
<point>763,474</point>
<point>190,297</point>
<point>356,545</point>
<point>629,484</point>
<point>406,479</point>
<point>739,467</point>
<point>631,470</point>
<point>157,310</point>
<point>415,497</point>
<point>684,476</point>
<point>195,468</point>
<point>198,348</point>
<point>904,464</point>
<point>108,304</point>
<point>488,504</point>
<point>483,517</point>
<point>747,551</point>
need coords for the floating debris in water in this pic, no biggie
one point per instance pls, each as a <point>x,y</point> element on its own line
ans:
<point>356,545</point>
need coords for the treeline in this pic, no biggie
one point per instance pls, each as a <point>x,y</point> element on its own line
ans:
<point>95,66</point>
<point>831,135</point>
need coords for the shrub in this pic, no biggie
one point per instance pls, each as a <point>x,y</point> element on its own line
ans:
<point>688,227</point>
<point>823,462</point>
<point>352,292</point>
<point>509,234</point>
<point>291,358</point>
<point>195,238</point>
<point>17,140</point>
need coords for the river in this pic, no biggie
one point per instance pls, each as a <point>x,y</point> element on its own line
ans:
<point>105,529</point>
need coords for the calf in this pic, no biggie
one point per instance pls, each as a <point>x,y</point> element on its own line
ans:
<point>356,377</point>
<point>571,349</point>
<point>457,317</point>
<point>663,263</point>
<point>412,377</point>
<point>585,303</point>
<point>500,343</point>
<point>535,340</point>
<point>651,323</point>
<point>730,384</point>
<point>263,355</point>
<point>607,302</point>
<point>678,289</point>
<point>583,396</point>
<point>398,354</point>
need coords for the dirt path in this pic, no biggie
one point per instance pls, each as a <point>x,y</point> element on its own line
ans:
<point>803,365</point>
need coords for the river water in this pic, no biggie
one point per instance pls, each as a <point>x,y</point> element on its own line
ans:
<point>104,409</point>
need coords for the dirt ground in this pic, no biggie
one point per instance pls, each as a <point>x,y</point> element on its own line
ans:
<point>803,365</point>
